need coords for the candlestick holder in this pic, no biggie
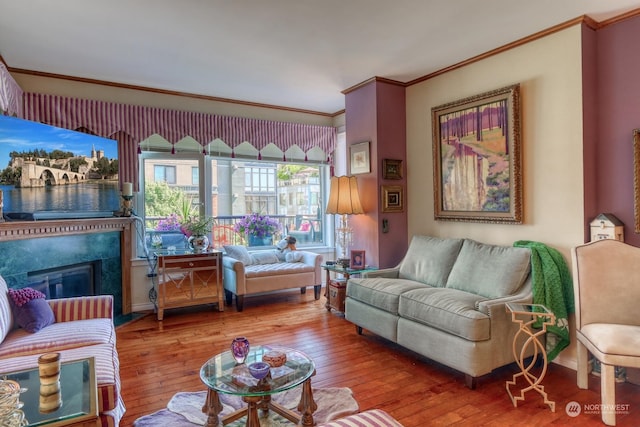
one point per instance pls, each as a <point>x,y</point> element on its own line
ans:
<point>127,205</point>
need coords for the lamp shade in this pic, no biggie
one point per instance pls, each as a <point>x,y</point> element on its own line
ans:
<point>343,196</point>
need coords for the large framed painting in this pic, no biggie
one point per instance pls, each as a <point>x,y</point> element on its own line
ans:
<point>477,158</point>
<point>636,179</point>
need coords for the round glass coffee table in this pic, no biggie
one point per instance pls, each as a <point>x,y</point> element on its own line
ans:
<point>222,374</point>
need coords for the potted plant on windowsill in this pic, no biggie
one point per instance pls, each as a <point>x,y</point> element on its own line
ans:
<point>258,229</point>
<point>196,230</point>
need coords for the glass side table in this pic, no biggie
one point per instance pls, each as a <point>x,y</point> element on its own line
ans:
<point>335,290</point>
<point>79,395</point>
<point>525,315</point>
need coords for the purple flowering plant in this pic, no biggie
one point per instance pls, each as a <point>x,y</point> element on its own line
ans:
<point>169,223</point>
<point>258,225</point>
<point>190,226</point>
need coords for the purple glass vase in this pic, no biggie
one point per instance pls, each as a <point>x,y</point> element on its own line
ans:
<point>240,349</point>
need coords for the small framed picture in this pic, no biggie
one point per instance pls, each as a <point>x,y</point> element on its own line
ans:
<point>360,161</point>
<point>391,169</point>
<point>356,260</point>
<point>392,198</point>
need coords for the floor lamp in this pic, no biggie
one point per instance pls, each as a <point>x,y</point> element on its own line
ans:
<point>344,200</point>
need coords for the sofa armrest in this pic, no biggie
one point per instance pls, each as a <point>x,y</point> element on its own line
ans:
<point>496,306</point>
<point>388,273</point>
<point>234,275</point>
<point>315,260</point>
<point>82,308</point>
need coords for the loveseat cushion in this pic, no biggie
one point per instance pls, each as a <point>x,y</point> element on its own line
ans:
<point>489,270</point>
<point>59,336</point>
<point>429,260</point>
<point>239,252</point>
<point>261,270</point>
<point>449,310</point>
<point>381,292</point>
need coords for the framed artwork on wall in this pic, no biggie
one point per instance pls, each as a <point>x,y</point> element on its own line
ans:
<point>391,169</point>
<point>360,158</point>
<point>392,198</point>
<point>356,260</point>
<point>477,158</point>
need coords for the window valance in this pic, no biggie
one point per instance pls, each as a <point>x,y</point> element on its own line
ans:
<point>10,93</point>
<point>132,124</point>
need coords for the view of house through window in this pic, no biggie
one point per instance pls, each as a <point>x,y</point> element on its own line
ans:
<point>182,185</point>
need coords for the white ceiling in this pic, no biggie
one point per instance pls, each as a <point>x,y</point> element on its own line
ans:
<point>293,53</point>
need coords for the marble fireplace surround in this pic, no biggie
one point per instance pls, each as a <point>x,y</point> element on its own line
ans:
<point>38,239</point>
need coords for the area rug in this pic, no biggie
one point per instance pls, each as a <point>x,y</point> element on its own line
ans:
<point>185,408</point>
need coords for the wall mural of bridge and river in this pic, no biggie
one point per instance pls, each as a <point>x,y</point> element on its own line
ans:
<point>55,182</point>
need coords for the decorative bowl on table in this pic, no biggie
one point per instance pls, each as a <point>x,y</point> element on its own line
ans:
<point>259,370</point>
<point>274,358</point>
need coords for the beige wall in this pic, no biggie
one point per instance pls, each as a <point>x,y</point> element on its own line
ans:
<point>549,72</point>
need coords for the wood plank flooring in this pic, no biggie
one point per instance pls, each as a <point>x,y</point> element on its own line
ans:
<point>159,359</point>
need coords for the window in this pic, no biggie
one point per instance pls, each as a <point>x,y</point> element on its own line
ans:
<point>228,189</point>
<point>162,173</point>
<point>194,176</point>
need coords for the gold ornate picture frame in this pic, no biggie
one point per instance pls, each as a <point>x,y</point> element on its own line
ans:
<point>392,198</point>
<point>391,169</point>
<point>477,158</point>
<point>636,179</point>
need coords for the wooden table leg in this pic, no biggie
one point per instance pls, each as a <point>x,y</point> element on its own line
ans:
<point>212,407</point>
<point>307,405</point>
<point>252,410</point>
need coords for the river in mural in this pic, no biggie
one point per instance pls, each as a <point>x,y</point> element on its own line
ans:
<point>475,159</point>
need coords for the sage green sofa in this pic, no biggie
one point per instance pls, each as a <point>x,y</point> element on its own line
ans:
<point>446,301</point>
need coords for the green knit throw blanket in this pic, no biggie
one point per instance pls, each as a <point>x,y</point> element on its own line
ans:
<point>553,288</point>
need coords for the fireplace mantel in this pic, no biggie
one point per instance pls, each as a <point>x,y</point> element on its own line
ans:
<point>22,230</point>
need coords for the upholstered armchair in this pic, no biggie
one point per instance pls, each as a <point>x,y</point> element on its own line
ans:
<point>606,276</point>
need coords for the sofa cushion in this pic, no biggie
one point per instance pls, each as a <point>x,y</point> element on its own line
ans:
<point>449,310</point>
<point>489,270</point>
<point>6,318</point>
<point>264,257</point>
<point>59,336</point>
<point>429,260</point>
<point>261,270</point>
<point>239,252</point>
<point>381,292</point>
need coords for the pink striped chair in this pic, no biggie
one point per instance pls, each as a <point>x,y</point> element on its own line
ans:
<point>83,328</point>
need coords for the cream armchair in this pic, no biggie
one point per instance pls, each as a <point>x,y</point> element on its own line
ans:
<point>606,274</point>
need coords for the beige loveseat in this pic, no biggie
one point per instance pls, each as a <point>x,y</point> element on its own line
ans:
<point>83,328</point>
<point>248,273</point>
<point>446,301</point>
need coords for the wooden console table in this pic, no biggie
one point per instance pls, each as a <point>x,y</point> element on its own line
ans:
<point>186,279</point>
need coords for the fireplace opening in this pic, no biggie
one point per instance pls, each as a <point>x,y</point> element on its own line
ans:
<point>75,280</point>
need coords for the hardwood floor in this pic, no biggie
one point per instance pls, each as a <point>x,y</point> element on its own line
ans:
<point>159,359</point>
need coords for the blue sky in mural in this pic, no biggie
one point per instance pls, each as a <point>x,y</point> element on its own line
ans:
<point>23,135</point>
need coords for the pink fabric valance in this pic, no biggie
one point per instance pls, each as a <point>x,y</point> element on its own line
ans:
<point>140,122</point>
<point>10,94</point>
<point>131,124</point>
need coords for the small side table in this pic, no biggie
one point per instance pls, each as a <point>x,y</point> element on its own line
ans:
<point>335,291</point>
<point>525,315</point>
